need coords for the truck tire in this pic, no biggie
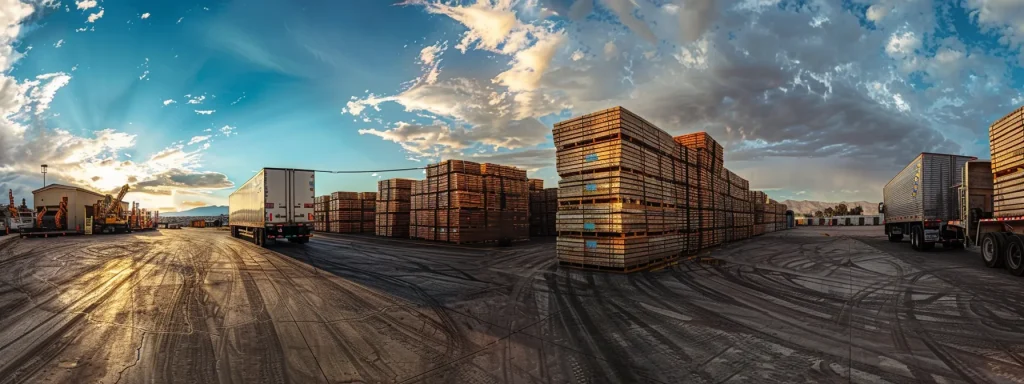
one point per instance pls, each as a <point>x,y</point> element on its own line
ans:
<point>1015,255</point>
<point>916,235</point>
<point>992,245</point>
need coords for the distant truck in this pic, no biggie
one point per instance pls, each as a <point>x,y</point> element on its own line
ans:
<point>921,201</point>
<point>276,203</point>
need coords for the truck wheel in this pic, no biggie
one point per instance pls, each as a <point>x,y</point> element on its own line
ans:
<point>1015,255</point>
<point>992,245</point>
<point>915,238</point>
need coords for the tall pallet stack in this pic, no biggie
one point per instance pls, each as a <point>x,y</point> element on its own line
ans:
<point>352,212</point>
<point>393,207</point>
<point>321,205</point>
<point>739,214</point>
<point>622,194</point>
<point>507,202</point>
<point>771,216</point>
<point>369,201</point>
<point>543,212</point>
<point>463,202</point>
<point>450,203</point>
<point>1006,137</point>
<point>708,190</point>
<point>758,200</point>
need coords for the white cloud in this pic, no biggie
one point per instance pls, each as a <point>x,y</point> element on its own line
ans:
<point>429,54</point>
<point>198,139</point>
<point>1003,16</point>
<point>228,130</point>
<point>42,90</point>
<point>144,74</point>
<point>179,20</point>
<point>206,112</point>
<point>144,16</point>
<point>59,43</point>
<point>96,16</point>
<point>85,4</point>
<point>207,130</point>
<point>169,102</point>
<point>196,100</point>
<point>772,83</point>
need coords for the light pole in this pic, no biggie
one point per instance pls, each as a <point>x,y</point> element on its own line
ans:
<point>43,170</point>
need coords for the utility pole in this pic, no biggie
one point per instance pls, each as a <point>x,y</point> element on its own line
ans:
<point>43,170</point>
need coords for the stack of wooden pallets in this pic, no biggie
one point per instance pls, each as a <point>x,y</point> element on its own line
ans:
<point>321,205</point>
<point>536,184</point>
<point>463,202</point>
<point>393,207</point>
<point>543,212</point>
<point>506,202</point>
<point>709,189</point>
<point>352,212</point>
<point>1006,136</point>
<point>622,192</point>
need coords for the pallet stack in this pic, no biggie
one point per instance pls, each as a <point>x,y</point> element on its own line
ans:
<point>536,184</point>
<point>622,194</point>
<point>543,212</point>
<point>463,202</point>
<point>507,202</point>
<point>757,201</point>
<point>321,205</point>
<point>709,190</point>
<point>1006,137</point>
<point>393,206</point>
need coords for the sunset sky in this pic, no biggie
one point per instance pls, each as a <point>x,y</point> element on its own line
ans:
<point>183,100</point>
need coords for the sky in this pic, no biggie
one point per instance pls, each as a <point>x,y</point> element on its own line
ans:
<point>185,100</point>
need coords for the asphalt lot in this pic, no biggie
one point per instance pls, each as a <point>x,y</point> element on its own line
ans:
<point>810,305</point>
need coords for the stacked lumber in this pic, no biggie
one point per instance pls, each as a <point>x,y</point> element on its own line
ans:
<point>622,193</point>
<point>507,202</point>
<point>707,189</point>
<point>1006,140</point>
<point>543,212</point>
<point>757,201</point>
<point>463,202</point>
<point>351,212</point>
<point>536,184</point>
<point>393,205</point>
<point>320,208</point>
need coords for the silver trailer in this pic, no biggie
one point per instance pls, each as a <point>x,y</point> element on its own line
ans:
<point>276,203</point>
<point>922,199</point>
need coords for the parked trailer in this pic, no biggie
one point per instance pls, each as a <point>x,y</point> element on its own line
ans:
<point>999,237</point>
<point>276,203</point>
<point>920,202</point>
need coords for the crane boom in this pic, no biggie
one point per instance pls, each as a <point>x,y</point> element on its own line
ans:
<point>116,203</point>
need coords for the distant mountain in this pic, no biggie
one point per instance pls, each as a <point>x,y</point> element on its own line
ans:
<point>212,210</point>
<point>805,206</point>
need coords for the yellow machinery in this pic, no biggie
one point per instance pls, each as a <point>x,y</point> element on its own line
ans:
<point>108,216</point>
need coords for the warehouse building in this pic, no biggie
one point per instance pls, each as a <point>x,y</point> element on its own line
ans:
<point>80,202</point>
<point>841,220</point>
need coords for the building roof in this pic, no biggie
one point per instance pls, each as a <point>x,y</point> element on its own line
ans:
<point>62,186</point>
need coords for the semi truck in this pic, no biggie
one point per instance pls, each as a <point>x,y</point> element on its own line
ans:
<point>921,201</point>
<point>276,203</point>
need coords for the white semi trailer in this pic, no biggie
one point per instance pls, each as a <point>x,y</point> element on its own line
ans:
<point>921,200</point>
<point>274,204</point>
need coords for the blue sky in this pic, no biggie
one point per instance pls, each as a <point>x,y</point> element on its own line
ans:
<point>183,100</point>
